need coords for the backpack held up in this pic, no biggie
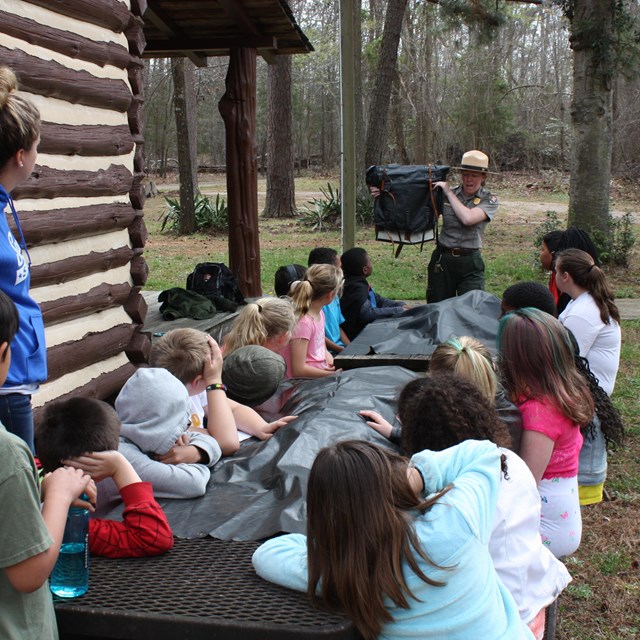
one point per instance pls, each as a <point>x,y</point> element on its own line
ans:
<point>215,281</point>
<point>408,207</point>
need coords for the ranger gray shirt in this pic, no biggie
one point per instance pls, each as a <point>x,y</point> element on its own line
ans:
<point>454,234</point>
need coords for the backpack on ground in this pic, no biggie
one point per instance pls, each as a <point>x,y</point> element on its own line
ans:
<point>215,281</point>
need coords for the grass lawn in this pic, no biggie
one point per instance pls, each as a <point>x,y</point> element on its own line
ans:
<point>603,601</point>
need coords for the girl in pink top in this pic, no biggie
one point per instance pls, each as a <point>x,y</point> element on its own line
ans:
<point>539,373</point>
<point>306,355</point>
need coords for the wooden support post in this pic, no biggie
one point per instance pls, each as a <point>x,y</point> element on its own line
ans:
<point>348,140</point>
<point>238,110</point>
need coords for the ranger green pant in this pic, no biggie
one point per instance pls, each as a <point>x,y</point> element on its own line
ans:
<point>449,276</point>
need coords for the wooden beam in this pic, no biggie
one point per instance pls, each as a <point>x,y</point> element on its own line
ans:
<point>139,348</point>
<point>102,387</point>
<point>85,140</point>
<point>162,21</point>
<point>65,42</point>
<point>93,348</point>
<point>237,11</point>
<point>60,225</point>
<point>134,34</point>
<point>268,55</point>
<point>104,296</point>
<point>164,48</point>
<point>238,110</point>
<point>136,306</point>
<point>60,271</point>
<point>111,14</point>
<point>348,124</point>
<point>53,80</point>
<point>45,182</point>
<point>168,27</point>
<point>417,362</point>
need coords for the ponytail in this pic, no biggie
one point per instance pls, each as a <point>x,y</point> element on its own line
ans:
<point>470,359</point>
<point>586,273</point>
<point>258,321</point>
<point>319,280</point>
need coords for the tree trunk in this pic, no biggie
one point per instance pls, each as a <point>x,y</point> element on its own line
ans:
<point>361,186</point>
<point>238,110</point>
<point>385,71</point>
<point>398,125</point>
<point>281,202</point>
<point>184,105</point>
<point>591,24</point>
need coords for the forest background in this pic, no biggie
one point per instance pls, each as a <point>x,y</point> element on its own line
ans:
<point>500,82</point>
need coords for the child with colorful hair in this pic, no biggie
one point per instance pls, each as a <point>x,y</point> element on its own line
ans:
<point>540,376</point>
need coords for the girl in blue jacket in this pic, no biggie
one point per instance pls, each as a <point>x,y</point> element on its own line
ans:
<point>401,549</point>
<point>19,139</point>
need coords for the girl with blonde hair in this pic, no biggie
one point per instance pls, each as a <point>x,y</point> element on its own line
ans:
<point>470,359</point>
<point>306,354</point>
<point>19,140</point>
<point>267,322</point>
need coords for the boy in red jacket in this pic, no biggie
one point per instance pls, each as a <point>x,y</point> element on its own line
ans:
<point>83,433</point>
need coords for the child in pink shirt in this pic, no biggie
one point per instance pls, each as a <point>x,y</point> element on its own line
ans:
<point>539,374</point>
<point>306,355</point>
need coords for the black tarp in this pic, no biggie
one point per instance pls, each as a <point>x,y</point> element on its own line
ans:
<point>260,491</point>
<point>421,329</point>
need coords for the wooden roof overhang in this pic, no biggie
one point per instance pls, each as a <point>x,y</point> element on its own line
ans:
<point>202,28</point>
<point>240,29</point>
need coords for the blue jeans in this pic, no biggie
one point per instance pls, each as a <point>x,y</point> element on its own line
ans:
<point>17,416</point>
<point>592,467</point>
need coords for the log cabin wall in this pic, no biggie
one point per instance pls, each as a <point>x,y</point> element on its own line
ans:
<point>81,209</point>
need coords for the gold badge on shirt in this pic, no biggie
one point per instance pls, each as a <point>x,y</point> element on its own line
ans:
<point>476,201</point>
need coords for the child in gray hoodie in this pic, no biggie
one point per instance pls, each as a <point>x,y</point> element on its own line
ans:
<point>153,406</point>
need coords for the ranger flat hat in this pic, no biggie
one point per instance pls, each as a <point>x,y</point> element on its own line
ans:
<point>475,161</point>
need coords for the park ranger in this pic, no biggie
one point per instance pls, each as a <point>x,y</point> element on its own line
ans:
<point>456,265</point>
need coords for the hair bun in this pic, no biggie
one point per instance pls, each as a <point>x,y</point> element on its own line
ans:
<point>8,84</point>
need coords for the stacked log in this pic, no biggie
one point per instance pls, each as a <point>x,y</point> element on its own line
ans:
<point>81,209</point>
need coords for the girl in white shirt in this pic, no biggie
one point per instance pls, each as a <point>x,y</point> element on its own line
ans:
<point>594,320</point>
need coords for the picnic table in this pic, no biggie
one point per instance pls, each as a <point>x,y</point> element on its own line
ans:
<point>201,589</point>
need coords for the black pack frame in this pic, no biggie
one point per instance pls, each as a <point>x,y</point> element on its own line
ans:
<point>407,210</point>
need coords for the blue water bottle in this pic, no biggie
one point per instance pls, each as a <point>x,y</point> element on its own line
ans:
<point>70,577</point>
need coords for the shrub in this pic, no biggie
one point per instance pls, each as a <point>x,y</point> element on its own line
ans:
<point>326,212</point>
<point>323,213</point>
<point>613,248</point>
<point>365,214</point>
<point>210,215</point>
<point>616,248</point>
